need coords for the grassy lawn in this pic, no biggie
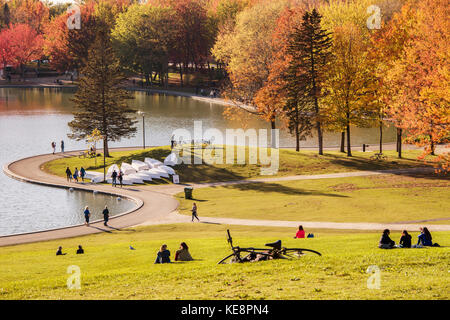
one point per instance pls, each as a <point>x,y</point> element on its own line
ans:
<point>110,270</point>
<point>291,163</point>
<point>384,198</point>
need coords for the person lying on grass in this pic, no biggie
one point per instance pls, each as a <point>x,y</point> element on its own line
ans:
<point>163,255</point>
<point>183,254</point>
<point>385,241</point>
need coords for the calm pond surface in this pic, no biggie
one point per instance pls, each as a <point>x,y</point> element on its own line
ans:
<point>31,118</point>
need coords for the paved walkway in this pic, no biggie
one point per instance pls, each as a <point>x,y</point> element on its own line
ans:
<point>155,203</point>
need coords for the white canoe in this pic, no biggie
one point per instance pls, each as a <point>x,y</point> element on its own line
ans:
<point>127,169</point>
<point>167,169</point>
<point>94,176</point>
<point>124,181</point>
<point>139,165</point>
<point>134,178</point>
<point>152,163</point>
<point>161,172</point>
<point>171,160</point>
<point>144,175</point>
<point>154,173</point>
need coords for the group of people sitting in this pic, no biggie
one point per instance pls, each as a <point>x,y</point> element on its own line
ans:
<point>182,254</point>
<point>424,240</point>
<point>60,253</point>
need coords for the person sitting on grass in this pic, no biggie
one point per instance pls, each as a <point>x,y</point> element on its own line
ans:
<point>300,233</point>
<point>80,250</point>
<point>385,241</point>
<point>59,252</point>
<point>163,255</point>
<point>425,239</point>
<point>405,240</point>
<point>183,254</point>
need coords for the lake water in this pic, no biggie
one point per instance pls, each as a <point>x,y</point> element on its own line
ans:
<point>31,118</point>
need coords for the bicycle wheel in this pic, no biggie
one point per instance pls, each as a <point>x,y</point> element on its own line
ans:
<point>231,258</point>
<point>297,253</point>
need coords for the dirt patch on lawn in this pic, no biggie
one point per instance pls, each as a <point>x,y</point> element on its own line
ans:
<point>345,187</point>
<point>411,181</point>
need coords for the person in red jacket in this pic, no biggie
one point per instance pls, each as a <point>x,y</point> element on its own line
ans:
<point>300,233</point>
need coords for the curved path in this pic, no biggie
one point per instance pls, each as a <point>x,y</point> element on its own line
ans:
<point>155,203</point>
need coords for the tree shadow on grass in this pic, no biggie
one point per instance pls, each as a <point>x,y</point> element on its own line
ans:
<point>362,164</point>
<point>278,188</point>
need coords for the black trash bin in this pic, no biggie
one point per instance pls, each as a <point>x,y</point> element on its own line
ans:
<point>188,192</point>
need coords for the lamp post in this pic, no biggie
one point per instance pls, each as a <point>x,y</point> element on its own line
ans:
<point>141,113</point>
<point>104,161</point>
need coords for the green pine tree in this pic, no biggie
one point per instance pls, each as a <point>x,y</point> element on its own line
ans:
<point>100,99</point>
<point>309,48</point>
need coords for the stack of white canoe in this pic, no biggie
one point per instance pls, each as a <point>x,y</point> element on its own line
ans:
<point>137,172</point>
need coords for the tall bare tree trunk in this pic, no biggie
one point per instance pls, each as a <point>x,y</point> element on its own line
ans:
<point>381,136</point>
<point>342,142</point>
<point>399,142</point>
<point>349,149</point>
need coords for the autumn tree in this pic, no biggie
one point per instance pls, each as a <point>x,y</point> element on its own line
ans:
<point>274,92</point>
<point>20,44</point>
<point>68,48</point>
<point>143,36</point>
<point>420,76</point>
<point>247,52</point>
<point>350,83</point>
<point>193,37</point>
<point>100,99</point>
<point>309,48</point>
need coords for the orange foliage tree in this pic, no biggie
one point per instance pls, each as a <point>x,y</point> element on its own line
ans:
<point>420,77</point>
<point>20,44</point>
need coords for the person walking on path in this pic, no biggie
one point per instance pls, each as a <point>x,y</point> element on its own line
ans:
<point>120,177</point>
<point>105,216</point>
<point>87,214</point>
<point>82,174</point>
<point>114,178</point>
<point>54,147</point>
<point>69,175</point>
<point>75,174</point>
<point>62,146</point>
<point>194,212</point>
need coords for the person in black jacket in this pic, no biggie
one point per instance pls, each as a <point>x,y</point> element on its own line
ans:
<point>59,252</point>
<point>105,216</point>
<point>405,240</point>
<point>385,241</point>
<point>80,250</point>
